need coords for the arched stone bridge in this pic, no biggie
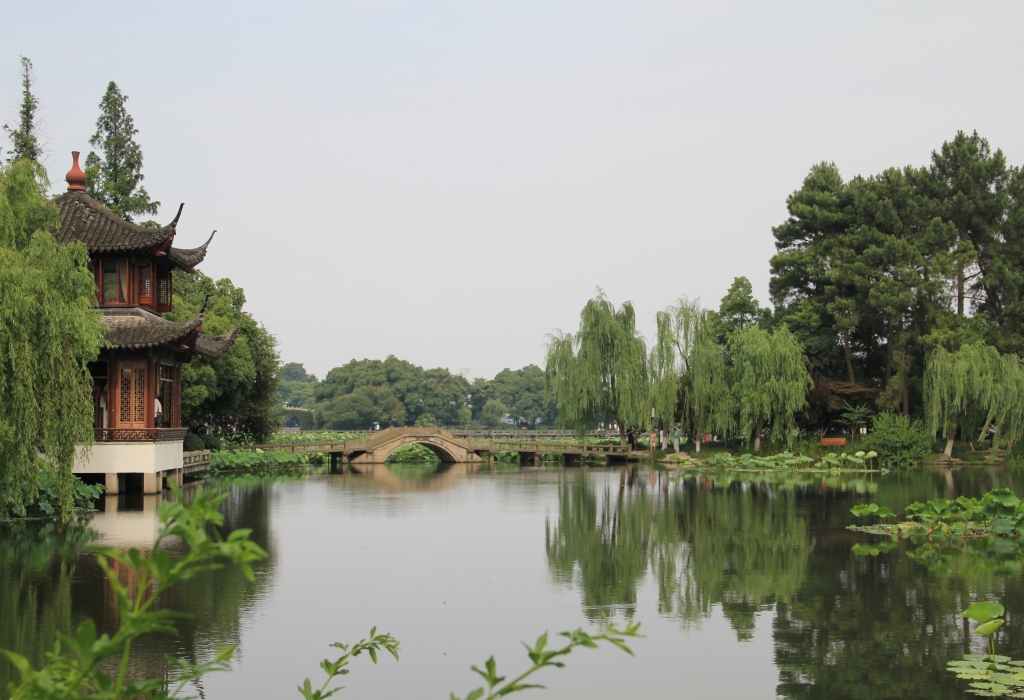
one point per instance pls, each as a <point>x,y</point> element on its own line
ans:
<point>377,447</point>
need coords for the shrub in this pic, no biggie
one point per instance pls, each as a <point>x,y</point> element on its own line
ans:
<point>211,442</point>
<point>192,443</point>
<point>901,443</point>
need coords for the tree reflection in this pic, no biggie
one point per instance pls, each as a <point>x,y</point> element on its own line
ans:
<point>739,547</point>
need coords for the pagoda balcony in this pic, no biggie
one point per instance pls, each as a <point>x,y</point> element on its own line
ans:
<point>139,434</point>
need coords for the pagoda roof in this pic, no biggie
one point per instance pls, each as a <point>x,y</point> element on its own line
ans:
<point>137,328</point>
<point>188,258</point>
<point>213,346</point>
<point>84,219</point>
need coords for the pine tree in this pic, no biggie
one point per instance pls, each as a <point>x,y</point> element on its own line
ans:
<point>25,138</point>
<point>116,179</point>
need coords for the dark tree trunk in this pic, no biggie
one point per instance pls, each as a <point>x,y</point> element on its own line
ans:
<point>757,434</point>
<point>846,353</point>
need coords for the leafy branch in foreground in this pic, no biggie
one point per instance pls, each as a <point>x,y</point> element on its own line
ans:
<point>74,668</point>
<point>541,657</point>
<point>339,667</point>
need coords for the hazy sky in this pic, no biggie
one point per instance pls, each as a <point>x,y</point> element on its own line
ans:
<point>449,182</point>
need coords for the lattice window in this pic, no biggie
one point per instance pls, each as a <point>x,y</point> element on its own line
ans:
<point>145,284</point>
<point>163,290</point>
<point>126,395</point>
<point>140,395</point>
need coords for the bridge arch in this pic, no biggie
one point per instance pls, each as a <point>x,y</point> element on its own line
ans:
<point>378,447</point>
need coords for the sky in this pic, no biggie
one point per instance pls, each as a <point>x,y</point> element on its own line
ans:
<point>450,182</point>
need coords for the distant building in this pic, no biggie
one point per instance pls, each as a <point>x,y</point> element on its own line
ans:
<point>137,378</point>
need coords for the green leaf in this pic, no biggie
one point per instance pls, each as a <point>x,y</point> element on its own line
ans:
<point>989,627</point>
<point>983,611</point>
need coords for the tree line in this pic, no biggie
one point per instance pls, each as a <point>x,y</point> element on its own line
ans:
<point>898,292</point>
<point>394,392</point>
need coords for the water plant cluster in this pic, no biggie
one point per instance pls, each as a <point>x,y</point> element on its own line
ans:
<point>238,460</point>
<point>789,461</point>
<point>991,675</point>
<point>960,536</point>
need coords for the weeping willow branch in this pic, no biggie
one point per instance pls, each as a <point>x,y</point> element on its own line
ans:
<point>601,371</point>
<point>48,332</point>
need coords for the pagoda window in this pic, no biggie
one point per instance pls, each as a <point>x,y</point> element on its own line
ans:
<point>114,282</point>
<point>146,285</point>
<point>163,290</point>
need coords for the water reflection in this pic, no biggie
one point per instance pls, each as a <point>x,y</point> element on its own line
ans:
<point>770,554</point>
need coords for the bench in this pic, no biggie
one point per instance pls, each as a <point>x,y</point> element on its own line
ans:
<point>833,442</point>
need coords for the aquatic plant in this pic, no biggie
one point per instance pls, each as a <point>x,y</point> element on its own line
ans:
<point>788,460</point>
<point>990,675</point>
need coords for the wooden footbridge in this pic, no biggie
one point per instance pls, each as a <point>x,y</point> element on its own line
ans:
<point>376,447</point>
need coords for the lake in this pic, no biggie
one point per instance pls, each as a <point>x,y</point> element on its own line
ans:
<point>745,584</point>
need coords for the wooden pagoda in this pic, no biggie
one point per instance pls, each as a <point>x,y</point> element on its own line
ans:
<point>137,377</point>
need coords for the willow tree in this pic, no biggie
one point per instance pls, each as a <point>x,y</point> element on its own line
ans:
<point>601,371</point>
<point>770,381</point>
<point>1007,407</point>
<point>961,391</point>
<point>688,360</point>
<point>48,332</point>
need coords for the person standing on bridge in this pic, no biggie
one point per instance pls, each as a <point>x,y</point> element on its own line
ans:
<point>652,440</point>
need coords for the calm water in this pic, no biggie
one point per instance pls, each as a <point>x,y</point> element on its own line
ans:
<point>746,587</point>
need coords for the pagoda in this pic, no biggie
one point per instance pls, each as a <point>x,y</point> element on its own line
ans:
<point>137,376</point>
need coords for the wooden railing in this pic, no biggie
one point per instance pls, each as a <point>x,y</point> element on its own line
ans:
<point>139,434</point>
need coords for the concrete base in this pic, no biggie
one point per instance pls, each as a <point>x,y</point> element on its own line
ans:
<point>155,461</point>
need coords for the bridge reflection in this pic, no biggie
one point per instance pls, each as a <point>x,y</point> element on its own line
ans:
<point>382,477</point>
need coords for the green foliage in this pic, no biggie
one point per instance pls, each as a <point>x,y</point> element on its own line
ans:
<point>242,460</point>
<point>237,393</point>
<point>788,461</point>
<point>990,675</point>
<point>541,657</point>
<point>524,395</point>
<point>192,443</point>
<point>339,667</point>
<point>390,392</point>
<point>413,454</point>
<point>114,178</point>
<point>76,668</point>
<point>688,361</point>
<point>770,382</point>
<point>601,371</point>
<point>47,499</point>
<point>902,443</point>
<point>493,413</point>
<point>48,334</point>
<point>25,137</point>
<point>323,436</point>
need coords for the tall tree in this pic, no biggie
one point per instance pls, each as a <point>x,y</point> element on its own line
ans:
<point>238,391</point>
<point>25,137</point>
<point>968,185</point>
<point>116,178</point>
<point>770,381</point>
<point>688,362</point>
<point>600,372</point>
<point>48,332</point>
<point>802,292</point>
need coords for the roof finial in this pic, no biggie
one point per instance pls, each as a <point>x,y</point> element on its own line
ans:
<point>75,176</point>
